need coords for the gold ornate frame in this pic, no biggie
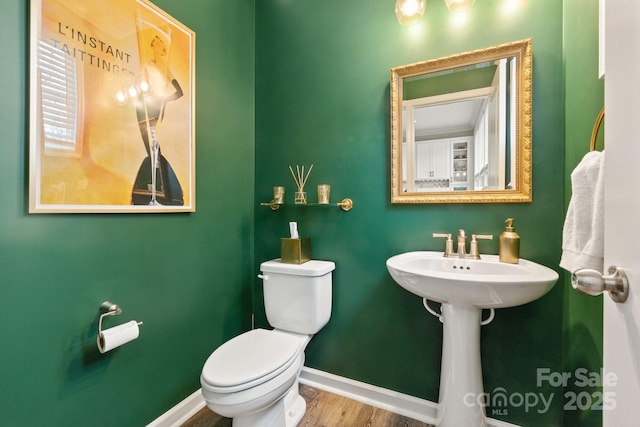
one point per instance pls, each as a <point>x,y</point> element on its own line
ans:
<point>521,50</point>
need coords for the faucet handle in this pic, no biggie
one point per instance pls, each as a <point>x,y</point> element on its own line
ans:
<point>473,245</point>
<point>481,236</point>
<point>448,246</point>
<point>445,235</point>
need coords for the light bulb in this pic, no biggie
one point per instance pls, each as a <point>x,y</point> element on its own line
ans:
<point>121,97</point>
<point>410,8</point>
<point>409,11</point>
<point>133,92</point>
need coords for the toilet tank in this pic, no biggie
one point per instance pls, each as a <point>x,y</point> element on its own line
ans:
<point>297,297</point>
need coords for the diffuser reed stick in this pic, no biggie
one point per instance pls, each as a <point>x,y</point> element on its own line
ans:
<point>299,177</point>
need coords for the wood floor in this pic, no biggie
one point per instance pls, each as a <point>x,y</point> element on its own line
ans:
<point>324,409</point>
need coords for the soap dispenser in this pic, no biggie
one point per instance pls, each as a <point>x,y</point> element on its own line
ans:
<point>509,244</point>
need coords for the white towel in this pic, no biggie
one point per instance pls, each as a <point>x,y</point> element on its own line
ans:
<point>583,234</point>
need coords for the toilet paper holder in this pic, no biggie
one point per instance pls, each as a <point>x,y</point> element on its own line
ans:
<point>109,309</point>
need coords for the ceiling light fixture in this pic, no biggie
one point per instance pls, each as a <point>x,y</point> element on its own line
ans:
<point>459,5</point>
<point>409,11</point>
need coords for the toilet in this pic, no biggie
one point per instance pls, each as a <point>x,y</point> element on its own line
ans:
<point>253,378</point>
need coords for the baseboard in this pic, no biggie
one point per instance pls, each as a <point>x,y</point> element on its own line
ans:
<point>180,413</point>
<point>399,403</point>
<point>402,404</point>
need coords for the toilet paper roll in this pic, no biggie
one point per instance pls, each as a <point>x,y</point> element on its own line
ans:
<point>118,335</point>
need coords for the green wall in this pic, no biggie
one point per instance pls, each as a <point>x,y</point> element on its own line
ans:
<point>462,80</point>
<point>322,92</point>
<point>584,97</point>
<point>187,276</point>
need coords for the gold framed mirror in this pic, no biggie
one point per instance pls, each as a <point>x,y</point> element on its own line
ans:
<point>461,127</point>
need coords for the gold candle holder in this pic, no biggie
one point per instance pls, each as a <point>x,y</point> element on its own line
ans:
<point>278,195</point>
<point>324,193</point>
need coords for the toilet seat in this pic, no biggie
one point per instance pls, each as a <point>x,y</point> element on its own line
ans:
<point>250,359</point>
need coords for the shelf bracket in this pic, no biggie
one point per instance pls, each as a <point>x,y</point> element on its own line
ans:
<point>346,204</point>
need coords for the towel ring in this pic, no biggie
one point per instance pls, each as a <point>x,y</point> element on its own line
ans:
<point>596,128</point>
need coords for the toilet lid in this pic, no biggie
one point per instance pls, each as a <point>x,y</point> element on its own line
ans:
<point>253,357</point>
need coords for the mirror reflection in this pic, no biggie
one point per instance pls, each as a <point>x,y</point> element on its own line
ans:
<point>461,127</point>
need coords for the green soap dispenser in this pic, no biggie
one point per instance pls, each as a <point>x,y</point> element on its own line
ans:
<point>509,244</point>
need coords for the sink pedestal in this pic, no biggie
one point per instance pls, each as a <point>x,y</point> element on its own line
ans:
<point>461,399</point>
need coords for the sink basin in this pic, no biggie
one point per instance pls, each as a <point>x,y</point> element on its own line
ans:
<point>483,283</point>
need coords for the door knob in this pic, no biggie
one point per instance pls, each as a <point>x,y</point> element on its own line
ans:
<point>592,282</point>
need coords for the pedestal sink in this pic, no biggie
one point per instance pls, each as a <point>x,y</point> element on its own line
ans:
<point>464,287</point>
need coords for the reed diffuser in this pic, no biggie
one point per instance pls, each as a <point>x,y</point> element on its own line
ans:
<point>300,179</point>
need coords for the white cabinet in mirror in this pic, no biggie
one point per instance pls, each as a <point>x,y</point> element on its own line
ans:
<point>437,165</point>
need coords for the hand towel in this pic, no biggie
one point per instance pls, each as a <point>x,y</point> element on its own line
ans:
<point>583,233</point>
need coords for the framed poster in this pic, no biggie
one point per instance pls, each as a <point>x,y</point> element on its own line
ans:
<point>112,108</point>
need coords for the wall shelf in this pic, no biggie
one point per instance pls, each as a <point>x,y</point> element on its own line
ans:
<point>346,204</point>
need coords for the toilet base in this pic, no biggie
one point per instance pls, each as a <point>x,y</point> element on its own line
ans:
<point>285,412</point>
